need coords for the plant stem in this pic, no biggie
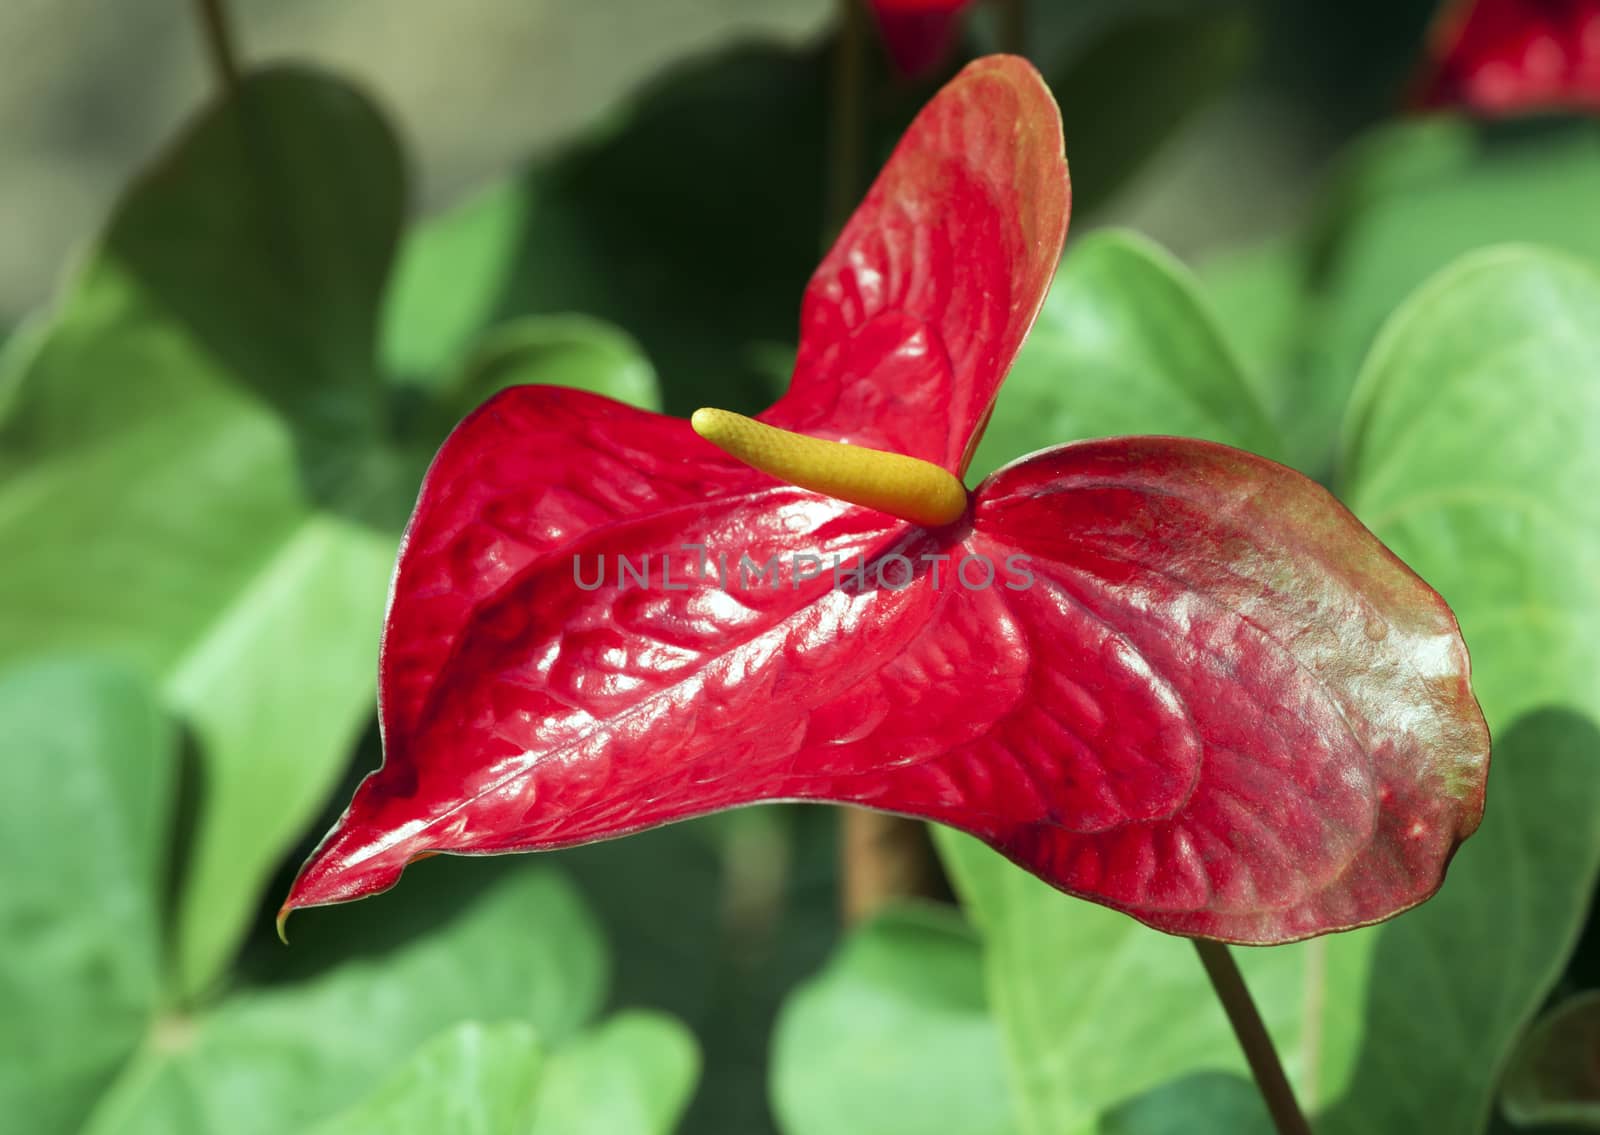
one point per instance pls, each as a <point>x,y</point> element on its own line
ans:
<point>1014,27</point>
<point>219,42</point>
<point>848,127</point>
<point>882,858</point>
<point>1258,1051</point>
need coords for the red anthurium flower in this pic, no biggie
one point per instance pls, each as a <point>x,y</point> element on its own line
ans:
<point>917,33</point>
<point>1161,674</point>
<point>1504,57</point>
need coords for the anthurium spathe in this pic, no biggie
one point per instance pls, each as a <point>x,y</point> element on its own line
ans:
<point>918,34</point>
<point>1505,57</point>
<point>1161,674</point>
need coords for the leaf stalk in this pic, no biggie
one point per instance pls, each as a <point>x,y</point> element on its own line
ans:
<point>215,28</point>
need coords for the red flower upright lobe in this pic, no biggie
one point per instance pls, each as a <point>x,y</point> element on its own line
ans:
<point>1161,674</point>
<point>1505,57</point>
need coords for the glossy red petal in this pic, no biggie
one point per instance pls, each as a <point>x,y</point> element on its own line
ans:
<point>1342,756</point>
<point>526,474</point>
<point>913,319</point>
<point>1504,57</point>
<point>917,33</point>
<point>1182,703</point>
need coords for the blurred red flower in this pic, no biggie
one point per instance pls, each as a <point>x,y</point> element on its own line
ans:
<point>1507,57</point>
<point>917,33</point>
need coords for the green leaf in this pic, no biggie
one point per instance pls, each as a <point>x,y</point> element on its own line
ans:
<point>1204,1101</point>
<point>632,1074</point>
<point>86,783</point>
<point>1554,1076</point>
<point>629,1076</point>
<point>1455,981</point>
<point>475,1079</point>
<point>559,350</point>
<point>1123,345</point>
<point>894,1036</point>
<point>1259,296</point>
<point>1473,451</point>
<point>192,457</point>
<point>1414,198</point>
<point>278,1059</point>
<point>1097,1009</point>
<point>715,921</point>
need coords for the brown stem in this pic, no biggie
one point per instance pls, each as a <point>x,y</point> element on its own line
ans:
<point>1014,27</point>
<point>848,133</point>
<point>883,858</point>
<point>219,42</point>
<point>1247,1026</point>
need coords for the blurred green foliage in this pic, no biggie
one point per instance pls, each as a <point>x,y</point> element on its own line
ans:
<point>209,445</point>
